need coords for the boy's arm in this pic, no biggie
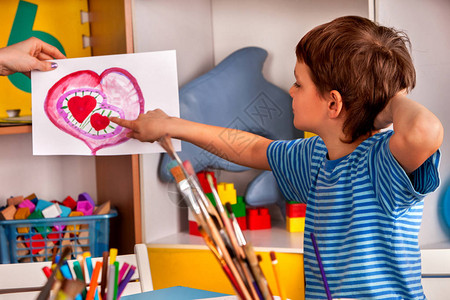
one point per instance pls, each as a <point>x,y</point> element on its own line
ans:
<point>418,133</point>
<point>234,145</point>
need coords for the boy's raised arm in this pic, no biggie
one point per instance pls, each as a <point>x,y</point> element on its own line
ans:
<point>237,146</point>
<point>418,133</point>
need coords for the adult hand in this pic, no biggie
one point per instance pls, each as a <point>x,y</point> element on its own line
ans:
<point>28,55</point>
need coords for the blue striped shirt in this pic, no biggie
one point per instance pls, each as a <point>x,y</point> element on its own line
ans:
<point>364,211</point>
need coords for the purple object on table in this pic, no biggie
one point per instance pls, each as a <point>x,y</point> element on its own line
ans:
<point>322,271</point>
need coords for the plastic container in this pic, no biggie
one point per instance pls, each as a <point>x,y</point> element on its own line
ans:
<point>84,233</point>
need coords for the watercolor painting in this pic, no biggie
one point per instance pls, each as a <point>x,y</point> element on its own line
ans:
<point>72,104</point>
<point>81,102</point>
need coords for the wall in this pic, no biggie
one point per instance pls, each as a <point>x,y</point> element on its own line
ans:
<point>427,23</point>
<point>50,177</point>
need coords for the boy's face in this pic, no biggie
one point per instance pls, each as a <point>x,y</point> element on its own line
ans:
<point>308,106</point>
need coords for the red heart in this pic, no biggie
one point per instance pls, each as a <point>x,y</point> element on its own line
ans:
<point>81,107</point>
<point>99,122</point>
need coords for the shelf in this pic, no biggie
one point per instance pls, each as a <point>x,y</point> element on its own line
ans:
<point>17,129</point>
<point>276,239</point>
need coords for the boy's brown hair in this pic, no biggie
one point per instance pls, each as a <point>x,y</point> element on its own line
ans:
<point>366,63</point>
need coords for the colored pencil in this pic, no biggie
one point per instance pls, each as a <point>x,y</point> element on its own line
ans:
<point>276,274</point>
<point>322,270</point>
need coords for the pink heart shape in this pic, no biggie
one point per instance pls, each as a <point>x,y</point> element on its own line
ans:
<point>81,102</point>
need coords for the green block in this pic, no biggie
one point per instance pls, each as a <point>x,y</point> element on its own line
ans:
<point>239,207</point>
<point>211,198</point>
<point>43,230</point>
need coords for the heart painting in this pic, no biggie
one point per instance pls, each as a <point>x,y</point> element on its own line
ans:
<point>81,103</point>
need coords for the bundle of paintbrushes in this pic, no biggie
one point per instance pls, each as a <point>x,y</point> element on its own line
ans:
<point>221,233</point>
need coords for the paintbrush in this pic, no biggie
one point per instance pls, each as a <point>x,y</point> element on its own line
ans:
<point>43,295</point>
<point>186,190</point>
<point>193,181</point>
<point>257,272</point>
<point>218,255</point>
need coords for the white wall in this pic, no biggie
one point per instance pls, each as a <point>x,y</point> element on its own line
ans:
<point>276,26</point>
<point>427,25</point>
<point>49,177</point>
<point>183,25</point>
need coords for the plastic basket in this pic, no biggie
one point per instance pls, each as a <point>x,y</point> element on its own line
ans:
<point>34,239</point>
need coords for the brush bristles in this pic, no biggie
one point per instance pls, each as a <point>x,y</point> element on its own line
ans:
<point>188,166</point>
<point>228,207</point>
<point>177,173</point>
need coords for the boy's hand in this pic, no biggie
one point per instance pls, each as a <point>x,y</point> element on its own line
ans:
<point>148,127</point>
<point>385,117</point>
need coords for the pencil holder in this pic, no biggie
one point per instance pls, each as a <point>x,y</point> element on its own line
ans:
<point>34,239</point>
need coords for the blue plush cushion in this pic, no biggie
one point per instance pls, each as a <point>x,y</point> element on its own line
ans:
<point>234,94</point>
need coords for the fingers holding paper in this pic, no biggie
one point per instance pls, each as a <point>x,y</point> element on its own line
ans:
<point>148,127</point>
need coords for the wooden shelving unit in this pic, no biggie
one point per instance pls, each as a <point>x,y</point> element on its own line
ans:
<point>17,129</point>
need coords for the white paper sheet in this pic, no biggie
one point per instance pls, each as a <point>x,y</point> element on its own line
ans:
<point>70,104</point>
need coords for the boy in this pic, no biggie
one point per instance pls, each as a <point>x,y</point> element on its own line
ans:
<point>364,188</point>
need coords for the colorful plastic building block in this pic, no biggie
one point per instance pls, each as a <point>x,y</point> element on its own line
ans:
<point>227,193</point>
<point>295,224</point>
<point>258,218</point>
<point>42,204</point>
<point>36,243</point>
<point>52,211</point>
<point>295,209</point>
<point>70,203</point>
<point>204,182</point>
<point>22,213</point>
<point>193,225</point>
<point>33,198</point>
<point>75,227</point>
<point>8,213</point>
<point>86,196</point>
<point>239,207</point>
<point>242,221</point>
<point>37,214</point>
<point>15,200</point>
<point>27,203</point>
<point>85,207</point>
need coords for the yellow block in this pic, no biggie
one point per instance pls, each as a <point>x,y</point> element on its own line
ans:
<point>75,227</point>
<point>199,269</point>
<point>227,193</point>
<point>308,134</point>
<point>62,20</point>
<point>295,224</point>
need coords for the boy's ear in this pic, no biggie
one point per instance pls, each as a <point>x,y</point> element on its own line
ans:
<point>335,104</point>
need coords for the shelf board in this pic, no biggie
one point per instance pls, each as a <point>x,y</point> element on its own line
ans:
<point>17,129</point>
<point>276,239</point>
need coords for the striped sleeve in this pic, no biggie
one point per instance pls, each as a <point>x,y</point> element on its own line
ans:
<point>290,161</point>
<point>395,190</point>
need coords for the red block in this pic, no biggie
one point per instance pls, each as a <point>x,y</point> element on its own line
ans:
<point>295,210</point>
<point>37,243</point>
<point>242,221</point>
<point>204,182</point>
<point>193,228</point>
<point>258,218</point>
<point>69,202</point>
